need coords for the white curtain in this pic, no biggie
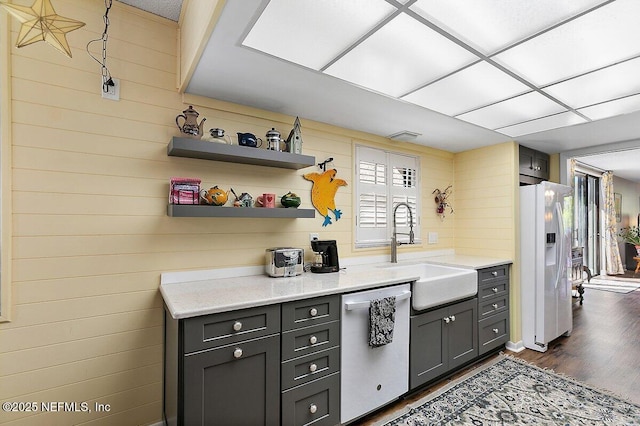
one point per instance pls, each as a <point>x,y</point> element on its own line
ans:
<point>613,263</point>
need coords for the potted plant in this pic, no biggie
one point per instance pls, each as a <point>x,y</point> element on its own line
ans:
<point>631,235</point>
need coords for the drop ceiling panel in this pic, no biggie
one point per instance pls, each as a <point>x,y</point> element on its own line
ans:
<point>608,34</point>
<point>400,57</point>
<point>612,108</point>
<point>547,123</point>
<point>491,25</point>
<point>478,85</point>
<point>609,83</point>
<point>312,33</point>
<point>516,110</point>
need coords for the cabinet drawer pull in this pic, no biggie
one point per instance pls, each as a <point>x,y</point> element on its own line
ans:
<point>495,306</point>
<point>313,408</point>
<point>495,289</point>
<point>313,312</point>
<point>313,340</point>
<point>447,320</point>
<point>494,273</point>
<point>313,368</point>
<point>237,326</point>
<point>453,318</point>
<point>237,353</point>
<point>495,330</point>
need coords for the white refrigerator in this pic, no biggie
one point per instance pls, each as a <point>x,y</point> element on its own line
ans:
<point>545,262</point>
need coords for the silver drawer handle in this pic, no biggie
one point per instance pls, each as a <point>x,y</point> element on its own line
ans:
<point>495,330</point>
<point>495,289</point>
<point>494,273</point>
<point>447,320</point>
<point>313,340</point>
<point>495,306</point>
<point>453,318</point>
<point>237,326</point>
<point>237,353</point>
<point>313,408</point>
<point>313,368</point>
<point>313,312</point>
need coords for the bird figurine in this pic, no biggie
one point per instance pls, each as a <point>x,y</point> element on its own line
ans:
<point>323,192</point>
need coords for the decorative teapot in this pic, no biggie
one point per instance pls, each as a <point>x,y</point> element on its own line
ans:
<point>190,127</point>
<point>274,140</point>
<point>290,199</point>
<point>214,196</point>
<point>244,200</point>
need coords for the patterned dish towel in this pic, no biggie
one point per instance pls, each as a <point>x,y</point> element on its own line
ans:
<point>382,314</point>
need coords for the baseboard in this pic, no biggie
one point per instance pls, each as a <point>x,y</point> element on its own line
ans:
<point>160,423</point>
<point>515,347</point>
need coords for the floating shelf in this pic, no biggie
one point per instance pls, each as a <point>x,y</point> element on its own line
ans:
<point>196,148</point>
<point>187,210</point>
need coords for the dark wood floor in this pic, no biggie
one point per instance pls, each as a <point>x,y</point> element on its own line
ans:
<point>603,349</point>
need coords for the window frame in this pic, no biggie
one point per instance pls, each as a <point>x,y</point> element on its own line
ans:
<point>376,235</point>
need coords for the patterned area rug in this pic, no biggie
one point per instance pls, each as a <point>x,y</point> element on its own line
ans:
<point>616,286</point>
<point>513,392</point>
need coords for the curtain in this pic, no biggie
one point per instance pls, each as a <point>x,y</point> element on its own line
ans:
<point>613,263</point>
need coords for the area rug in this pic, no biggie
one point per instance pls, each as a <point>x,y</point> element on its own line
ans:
<point>513,392</point>
<point>616,286</point>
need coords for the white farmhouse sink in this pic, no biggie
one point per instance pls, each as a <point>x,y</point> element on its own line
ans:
<point>439,284</point>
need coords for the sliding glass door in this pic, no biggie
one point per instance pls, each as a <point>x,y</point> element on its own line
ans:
<point>587,219</point>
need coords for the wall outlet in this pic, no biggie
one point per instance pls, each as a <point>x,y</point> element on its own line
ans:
<point>433,238</point>
<point>313,236</point>
<point>114,91</point>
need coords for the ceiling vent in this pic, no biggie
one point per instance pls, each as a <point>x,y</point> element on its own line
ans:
<point>404,136</point>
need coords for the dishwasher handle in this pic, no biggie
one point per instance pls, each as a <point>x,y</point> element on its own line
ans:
<point>365,304</point>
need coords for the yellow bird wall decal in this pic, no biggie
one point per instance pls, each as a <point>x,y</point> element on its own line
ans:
<point>323,192</point>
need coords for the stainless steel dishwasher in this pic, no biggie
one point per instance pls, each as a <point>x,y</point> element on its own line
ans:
<point>370,377</point>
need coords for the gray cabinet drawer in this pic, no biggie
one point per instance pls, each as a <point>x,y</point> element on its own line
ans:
<point>303,313</point>
<point>310,367</point>
<point>307,340</point>
<point>493,274</point>
<point>495,289</point>
<point>494,331</point>
<point>317,403</point>
<point>493,306</point>
<point>211,331</point>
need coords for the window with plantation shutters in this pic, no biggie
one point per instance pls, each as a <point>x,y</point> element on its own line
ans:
<point>384,179</point>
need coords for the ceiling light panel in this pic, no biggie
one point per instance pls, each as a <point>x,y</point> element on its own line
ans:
<point>402,55</point>
<point>612,108</point>
<point>516,110</point>
<point>312,33</point>
<point>606,35</point>
<point>478,85</point>
<point>599,86</point>
<point>547,123</point>
<point>491,25</point>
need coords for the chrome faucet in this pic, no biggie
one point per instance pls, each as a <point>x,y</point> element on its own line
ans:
<point>394,237</point>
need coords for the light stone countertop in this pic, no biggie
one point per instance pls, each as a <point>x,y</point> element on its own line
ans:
<point>195,296</point>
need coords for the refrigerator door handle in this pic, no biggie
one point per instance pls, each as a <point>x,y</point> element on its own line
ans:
<point>560,255</point>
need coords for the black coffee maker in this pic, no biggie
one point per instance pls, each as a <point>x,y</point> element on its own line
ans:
<point>326,259</point>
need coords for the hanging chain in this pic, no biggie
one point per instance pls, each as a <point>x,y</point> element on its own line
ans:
<point>106,75</point>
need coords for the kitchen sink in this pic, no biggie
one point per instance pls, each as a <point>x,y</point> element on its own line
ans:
<point>439,284</point>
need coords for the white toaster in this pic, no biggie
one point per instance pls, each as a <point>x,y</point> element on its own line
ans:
<point>284,261</point>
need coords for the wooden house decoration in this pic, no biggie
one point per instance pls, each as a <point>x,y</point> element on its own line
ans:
<point>294,141</point>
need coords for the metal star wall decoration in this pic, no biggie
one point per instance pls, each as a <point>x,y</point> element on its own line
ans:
<point>40,22</point>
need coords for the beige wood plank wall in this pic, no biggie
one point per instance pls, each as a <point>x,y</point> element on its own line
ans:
<point>90,232</point>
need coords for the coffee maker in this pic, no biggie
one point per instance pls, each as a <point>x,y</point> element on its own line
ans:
<point>326,256</point>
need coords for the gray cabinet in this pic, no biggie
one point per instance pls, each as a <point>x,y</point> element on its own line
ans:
<point>442,339</point>
<point>533,163</point>
<point>223,369</point>
<point>493,308</point>
<point>311,362</point>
